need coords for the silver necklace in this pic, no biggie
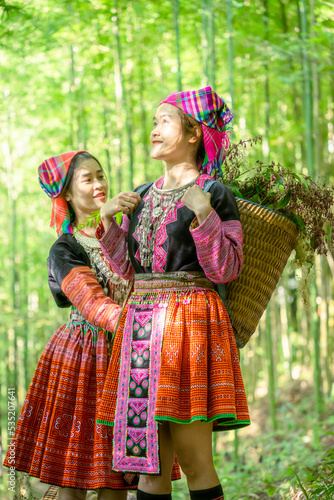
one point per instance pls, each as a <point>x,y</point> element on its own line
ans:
<point>99,267</point>
<point>157,205</point>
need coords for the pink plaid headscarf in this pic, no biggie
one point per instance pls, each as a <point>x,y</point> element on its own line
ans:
<point>52,176</point>
<point>211,111</point>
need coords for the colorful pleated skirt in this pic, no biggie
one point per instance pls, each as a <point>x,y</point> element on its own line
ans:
<point>175,359</point>
<point>57,438</point>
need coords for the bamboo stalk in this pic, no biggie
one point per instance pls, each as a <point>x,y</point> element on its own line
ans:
<point>205,42</point>
<point>315,99</point>
<point>14,283</point>
<point>270,367</point>
<point>176,9</point>
<point>266,142</point>
<point>72,87</point>
<point>286,348</point>
<point>307,96</point>
<point>212,43</point>
<point>24,298</point>
<point>128,118</point>
<point>229,18</point>
<point>144,133</point>
<point>315,323</point>
<point>119,111</point>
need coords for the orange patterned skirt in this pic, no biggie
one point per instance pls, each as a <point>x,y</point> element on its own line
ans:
<point>57,439</point>
<point>175,359</point>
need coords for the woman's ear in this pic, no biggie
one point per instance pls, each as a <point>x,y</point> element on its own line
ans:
<point>195,135</point>
<point>67,197</point>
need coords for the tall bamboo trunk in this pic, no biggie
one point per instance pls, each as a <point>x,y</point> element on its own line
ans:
<point>284,328</point>
<point>12,333</point>
<point>176,9</point>
<point>24,301</point>
<point>212,35</point>
<point>208,43</point>
<point>72,93</point>
<point>229,17</point>
<point>266,142</point>
<point>317,362</point>
<point>128,118</point>
<point>307,96</point>
<point>119,110</point>
<point>144,131</point>
<point>105,132</point>
<point>316,102</point>
<point>82,123</point>
<point>271,364</point>
<point>205,42</point>
<point>294,94</point>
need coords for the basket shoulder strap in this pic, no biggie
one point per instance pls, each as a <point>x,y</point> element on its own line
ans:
<point>219,287</point>
<point>144,188</point>
<point>208,184</point>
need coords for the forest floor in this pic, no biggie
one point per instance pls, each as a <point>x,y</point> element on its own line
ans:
<point>295,462</point>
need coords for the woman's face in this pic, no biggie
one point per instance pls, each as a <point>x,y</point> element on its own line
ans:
<point>167,139</point>
<point>89,188</point>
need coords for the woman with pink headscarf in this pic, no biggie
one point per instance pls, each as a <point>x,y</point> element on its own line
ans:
<point>57,438</point>
<point>175,376</point>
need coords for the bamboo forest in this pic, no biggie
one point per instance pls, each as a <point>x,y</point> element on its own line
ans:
<point>89,75</point>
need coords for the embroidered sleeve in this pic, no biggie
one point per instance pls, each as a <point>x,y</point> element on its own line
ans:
<point>219,247</point>
<point>114,245</point>
<point>85,293</point>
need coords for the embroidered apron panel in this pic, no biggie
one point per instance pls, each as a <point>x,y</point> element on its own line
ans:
<point>136,445</point>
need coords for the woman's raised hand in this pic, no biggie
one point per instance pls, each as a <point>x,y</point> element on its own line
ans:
<point>199,202</point>
<point>122,202</point>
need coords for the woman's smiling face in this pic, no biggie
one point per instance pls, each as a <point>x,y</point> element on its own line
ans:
<point>89,188</point>
<point>167,139</point>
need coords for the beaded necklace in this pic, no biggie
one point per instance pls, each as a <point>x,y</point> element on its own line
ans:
<point>158,203</point>
<point>101,270</point>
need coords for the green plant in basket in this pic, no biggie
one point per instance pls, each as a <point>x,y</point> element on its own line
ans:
<point>307,202</point>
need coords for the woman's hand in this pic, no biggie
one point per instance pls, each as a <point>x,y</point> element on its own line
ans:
<point>197,201</point>
<point>123,202</point>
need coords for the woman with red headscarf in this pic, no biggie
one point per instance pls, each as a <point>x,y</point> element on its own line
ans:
<point>178,377</point>
<point>57,439</point>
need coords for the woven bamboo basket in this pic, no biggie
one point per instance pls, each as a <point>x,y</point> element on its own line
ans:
<point>269,238</point>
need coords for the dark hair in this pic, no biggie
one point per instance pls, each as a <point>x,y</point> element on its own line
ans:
<point>75,163</point>
<point>189,126</point>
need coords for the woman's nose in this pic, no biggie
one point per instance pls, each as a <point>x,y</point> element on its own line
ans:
<point>155,131</point>
<point>98,182</point>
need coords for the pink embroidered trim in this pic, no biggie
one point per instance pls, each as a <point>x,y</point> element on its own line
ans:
<point>219,248</point>
<point>159,254</point>
<point>114,246</point>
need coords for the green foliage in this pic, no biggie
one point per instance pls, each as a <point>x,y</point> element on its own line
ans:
<point>277,465</point>
<point>91,220</point>
<point>309,203</point>
<point>60,89</point>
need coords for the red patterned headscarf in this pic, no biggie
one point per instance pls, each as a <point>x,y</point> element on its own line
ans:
<point>52,177</point>
<point>211,111</point>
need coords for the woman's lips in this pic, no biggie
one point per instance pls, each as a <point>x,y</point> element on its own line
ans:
<point>100,195</point>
